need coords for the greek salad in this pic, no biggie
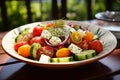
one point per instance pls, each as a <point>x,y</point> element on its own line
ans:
<point>57,42</point>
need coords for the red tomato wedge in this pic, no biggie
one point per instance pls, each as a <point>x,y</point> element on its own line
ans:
<point>37,39</point>
<point>37,31</point>
<point>17,45</point>
<point>47,50</point>
<point>96,45</point>
<point>84,45</point>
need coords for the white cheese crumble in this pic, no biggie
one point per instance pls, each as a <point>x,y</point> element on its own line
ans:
<point>70,29</point>
<point>55,40</point>
<point>74,49</point>
<point>44,58</point>
<point>46,34</point>
<point>81,32</point>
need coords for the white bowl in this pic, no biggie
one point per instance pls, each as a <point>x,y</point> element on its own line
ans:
<point>108,38</point>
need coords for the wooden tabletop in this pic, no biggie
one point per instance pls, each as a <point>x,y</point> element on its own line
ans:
<point>104,69</point>
<point>3,56</point>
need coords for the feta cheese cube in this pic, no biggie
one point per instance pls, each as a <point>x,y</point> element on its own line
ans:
<point>70,29</point>
<point>74,49</point>
<point>44,58</point>
<point>81,32</point>
<point>46,34</point>
<point>55,40</point>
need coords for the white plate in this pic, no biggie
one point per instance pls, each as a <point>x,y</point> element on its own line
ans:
<point>109,16</point>
<point>108,38</point>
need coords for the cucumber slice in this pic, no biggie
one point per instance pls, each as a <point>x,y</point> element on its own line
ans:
<point>55,60</point>
<point>59,60</point>
<point>18,38</point>
<point>33,50</point>
<point>91,54</point>
<point>21,34</point>
<point>85,55</point>
<point>80,56</point>
<point>25,31</point>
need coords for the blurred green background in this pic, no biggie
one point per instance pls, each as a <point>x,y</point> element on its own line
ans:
<point>76,10</point>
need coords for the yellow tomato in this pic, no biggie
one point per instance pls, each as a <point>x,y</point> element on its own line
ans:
<point>89,36</point>
<point>76,37</point>
<point>63,52</point>
<point>24,50</point>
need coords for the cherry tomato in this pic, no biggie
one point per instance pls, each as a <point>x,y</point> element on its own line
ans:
<point>63,52</point>
<point>24,50</point>
<point>89,36</point>
<point>49,24</point>
<point>76,37</point>
<point>17,45</point>
<point>37,31</point>
<point>96,45</point>
<point>37,40</point>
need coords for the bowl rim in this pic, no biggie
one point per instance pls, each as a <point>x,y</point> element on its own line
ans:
<point>59,65</point>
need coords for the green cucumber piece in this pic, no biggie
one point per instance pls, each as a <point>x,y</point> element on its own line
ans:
<point>25,31</point>
<point>59,60</point>
<point>80,56</point>
<point>55,60</point>
<point>18,38</point>
<point>91,54</point>
<point>85,55</point>
<point>33,50</point>
<point>21,34</point>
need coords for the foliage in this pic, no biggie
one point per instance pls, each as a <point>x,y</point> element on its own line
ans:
<point>76,10</point>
